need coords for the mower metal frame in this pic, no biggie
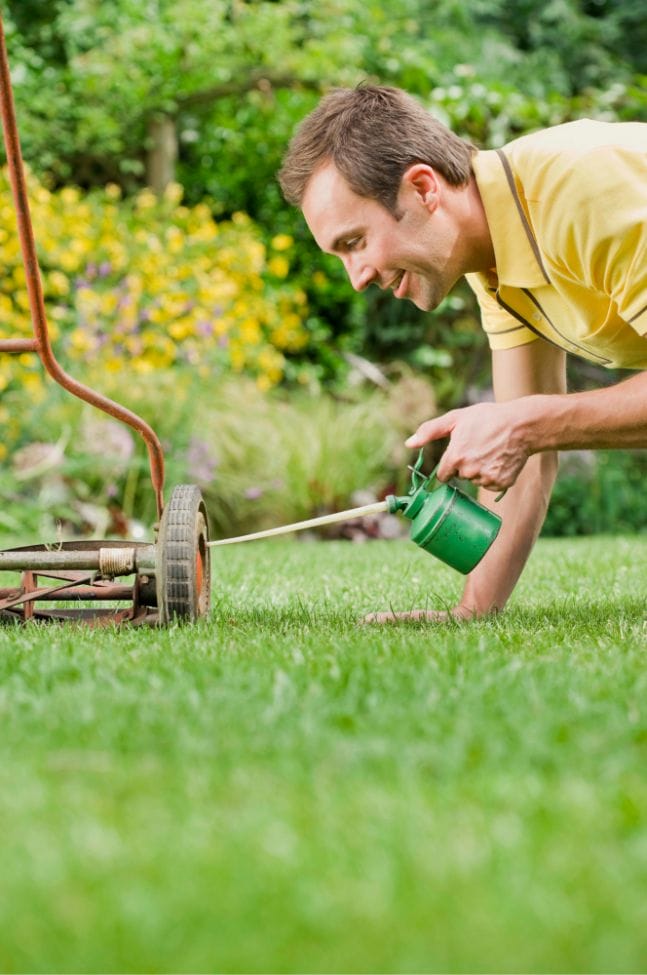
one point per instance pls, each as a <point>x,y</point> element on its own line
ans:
<point>165,586</point>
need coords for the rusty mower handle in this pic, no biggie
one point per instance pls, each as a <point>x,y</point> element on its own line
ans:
<point>40,344</point>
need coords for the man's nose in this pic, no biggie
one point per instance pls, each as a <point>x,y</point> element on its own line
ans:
<point>360,273</point>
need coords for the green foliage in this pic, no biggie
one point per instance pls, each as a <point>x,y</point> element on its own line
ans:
<point>92,77</point>
<point>599,492</point>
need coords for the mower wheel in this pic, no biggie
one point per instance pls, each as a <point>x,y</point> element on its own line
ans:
<point>183,571</point>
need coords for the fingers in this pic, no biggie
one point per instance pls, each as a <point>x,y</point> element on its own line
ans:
<point>413,616</point>
<point>457,614</point>
<point>480,446</point>
<point>430,430</point>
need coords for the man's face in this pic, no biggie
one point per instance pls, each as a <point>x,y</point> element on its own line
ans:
<point>412,254</point>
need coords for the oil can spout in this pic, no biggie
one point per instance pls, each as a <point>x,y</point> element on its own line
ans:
<point>395,504</point>
<point>367,509</point>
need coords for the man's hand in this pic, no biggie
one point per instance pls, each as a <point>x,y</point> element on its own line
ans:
<point>488,442</point>
<point>421,616</point>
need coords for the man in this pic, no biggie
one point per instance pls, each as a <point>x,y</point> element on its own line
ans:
<point>551,233</point>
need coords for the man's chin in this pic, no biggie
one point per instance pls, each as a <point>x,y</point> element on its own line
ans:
<point>424,304</point>
<point>425,301</point>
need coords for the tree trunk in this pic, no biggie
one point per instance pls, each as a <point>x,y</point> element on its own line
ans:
<point>162,152</point>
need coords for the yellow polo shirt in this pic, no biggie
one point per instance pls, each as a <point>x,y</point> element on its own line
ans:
<point>567,210</point>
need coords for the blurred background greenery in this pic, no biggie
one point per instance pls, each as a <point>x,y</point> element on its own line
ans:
<point>179,282</point>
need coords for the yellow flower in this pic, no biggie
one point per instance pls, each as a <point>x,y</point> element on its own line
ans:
<point>142,366</point>
<point>236,357</point>
<point>282,242</point>
<point>152,279</point>
<point>175,240</point>
<point>58,283</point>
<point>173,193</point>
<point>249,331</point>
<point>113,364</point>
<point>145,200</point>
<point>278,266</point>
<point>69,261</point>
<point>108,303</point>
<point>69,195</point>
<point>22,300</point>
<point>181,329</point>
<point>80,341</point>
<point>32,383</point>
<point>271,361</point>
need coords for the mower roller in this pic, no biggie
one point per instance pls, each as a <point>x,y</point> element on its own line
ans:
<point>123,581</point>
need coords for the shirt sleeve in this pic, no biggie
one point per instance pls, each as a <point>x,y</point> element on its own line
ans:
<point>502,329</point>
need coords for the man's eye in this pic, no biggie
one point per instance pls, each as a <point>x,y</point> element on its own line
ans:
<point>352,243</point>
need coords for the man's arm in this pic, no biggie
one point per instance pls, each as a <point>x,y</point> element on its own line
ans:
<point>490,443</point>
<point>511,444</point>
<point>536,369</point>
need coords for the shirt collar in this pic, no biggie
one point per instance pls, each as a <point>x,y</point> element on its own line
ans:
<point>518,259</point>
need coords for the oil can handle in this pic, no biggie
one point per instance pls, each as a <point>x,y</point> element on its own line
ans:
<point>418,478</point>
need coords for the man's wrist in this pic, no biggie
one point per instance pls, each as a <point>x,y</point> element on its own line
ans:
<point>535,425</point>
<point>470,611</point>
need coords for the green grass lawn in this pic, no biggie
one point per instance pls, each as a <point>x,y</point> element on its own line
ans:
<point>279,789</point>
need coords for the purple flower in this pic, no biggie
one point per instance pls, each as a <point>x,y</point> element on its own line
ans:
<point>201,461</point>
<point>253,493</point>
<point>205,327</point>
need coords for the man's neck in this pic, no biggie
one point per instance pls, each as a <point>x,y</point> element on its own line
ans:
<point>479,249</point>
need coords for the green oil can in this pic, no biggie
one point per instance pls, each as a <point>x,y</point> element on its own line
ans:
<point>445,521</point>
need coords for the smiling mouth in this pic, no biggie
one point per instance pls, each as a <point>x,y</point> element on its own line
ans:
<point>396,281</point>
<point>397,284</point>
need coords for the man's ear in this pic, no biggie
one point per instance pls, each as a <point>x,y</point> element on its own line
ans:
<point>421,180</point>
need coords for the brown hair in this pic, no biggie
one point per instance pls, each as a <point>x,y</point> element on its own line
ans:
<point>372,134</point>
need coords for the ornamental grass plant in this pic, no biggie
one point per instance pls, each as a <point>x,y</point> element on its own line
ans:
<point>259,459</point>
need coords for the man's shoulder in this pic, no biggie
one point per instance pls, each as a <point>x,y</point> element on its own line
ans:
<point>578,138</point>
<point>574,153</point>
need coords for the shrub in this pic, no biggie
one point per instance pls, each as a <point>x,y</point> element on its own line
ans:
<point>599,492</point>
<point>151,283</point>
